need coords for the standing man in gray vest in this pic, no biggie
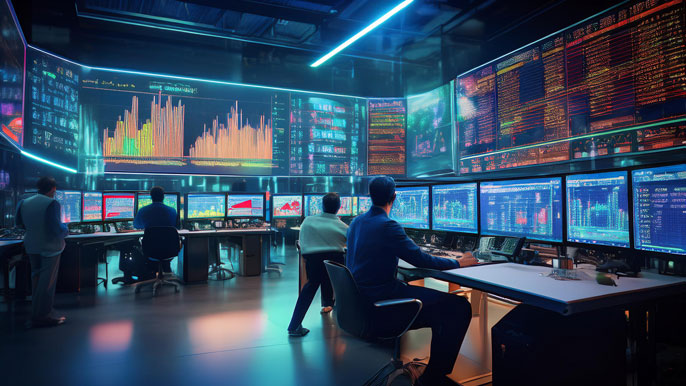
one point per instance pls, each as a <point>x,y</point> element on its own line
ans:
<point>44,243</point>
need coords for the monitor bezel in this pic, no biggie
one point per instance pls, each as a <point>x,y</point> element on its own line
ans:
<point>478,220</point>
<point>264,204</point>
<point>185,207</point>
<point>428,187</point>
<point>83,202</point>
<point>80,192</point>
<point>302,205</point>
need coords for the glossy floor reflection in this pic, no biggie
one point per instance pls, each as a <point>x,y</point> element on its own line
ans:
<point>224,333</point>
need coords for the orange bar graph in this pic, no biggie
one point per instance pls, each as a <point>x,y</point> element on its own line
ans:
<point>160,136</point>
<point>234,140</point>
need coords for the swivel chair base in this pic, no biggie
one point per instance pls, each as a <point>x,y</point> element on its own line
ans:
<point>221,272</point>
<point>158,282</point>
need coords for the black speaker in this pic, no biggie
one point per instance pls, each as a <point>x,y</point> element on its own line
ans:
<point>532,346</point>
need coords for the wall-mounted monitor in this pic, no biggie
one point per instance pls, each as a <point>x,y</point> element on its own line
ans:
<point>411,207</point>
<point>522,208</point>
<point>659,196</point>
<point>386,136</point>
<point>429,133</point>
<point>245,205</point>
<point>70,205</point>
<point>118,206</point>
<point>170,199</point>
<point>287,206</point>
<point>92,206</point>
<point>12,78</point>
<point>205,205</point>
<point>454,208</point>
<point>598,209</point>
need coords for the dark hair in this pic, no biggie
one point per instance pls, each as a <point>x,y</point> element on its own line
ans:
<point>46,184</point>
<point>331,203</point>
<point>382,190</point>
<point>157,194</point>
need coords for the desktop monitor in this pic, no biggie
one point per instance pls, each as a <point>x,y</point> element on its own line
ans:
<point>92,206</point>
<point>170,199</point>
<point>454,208</point>
<point>598,209</point>
<point>205,205</point>
<point>313,204</point>
<point>659,196</point>
<point>346,209</point>
<point>411,207</point>
<point>363,204</point>
<point>287,206</point>
<point>118,206</point>
<point>245,205</point>
<point>529,208</point>
<point>70,205</point>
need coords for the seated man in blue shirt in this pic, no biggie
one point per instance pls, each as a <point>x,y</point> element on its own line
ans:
<point>375,242</point>
<point>156,214</point>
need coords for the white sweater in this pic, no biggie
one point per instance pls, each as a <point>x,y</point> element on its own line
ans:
<point>324,232</point>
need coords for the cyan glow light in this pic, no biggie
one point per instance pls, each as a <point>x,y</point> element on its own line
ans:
<point>365,31</point>
<point>43,160</point>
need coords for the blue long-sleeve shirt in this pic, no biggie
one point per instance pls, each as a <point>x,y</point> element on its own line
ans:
<point>375,242</point>
<point>155,215</point>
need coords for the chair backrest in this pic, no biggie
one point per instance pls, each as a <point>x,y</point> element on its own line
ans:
<point>352,309</point>
<point>161,243</point>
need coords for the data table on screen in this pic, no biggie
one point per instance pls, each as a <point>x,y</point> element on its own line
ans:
<point>522,208</point>
<point>411,207</point>
<point>170,200</point>
<point>245,205</point>
<point>205,206</point>
<point>92,206</point>
<point>346,206</point>
<point>363,204</point>
<point>454,208</point>
<point>659,196</point>
<point>118,206</point>
<point>287,206</point>
<point>598,209</point>
<point>70,205</point>
<point>313,204</point>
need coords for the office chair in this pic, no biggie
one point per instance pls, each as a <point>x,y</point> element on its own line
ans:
<point>355,315</point>
<point>160,244</point>
<point>218,269</point>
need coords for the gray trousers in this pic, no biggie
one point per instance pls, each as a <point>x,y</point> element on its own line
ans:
<point>44,279</point>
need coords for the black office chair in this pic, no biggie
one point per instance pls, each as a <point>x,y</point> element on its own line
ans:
<point>160,244</point>
<point>355,315</point>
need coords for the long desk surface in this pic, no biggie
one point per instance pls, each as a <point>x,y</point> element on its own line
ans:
<point>531,285</point>
<point>182,232</point>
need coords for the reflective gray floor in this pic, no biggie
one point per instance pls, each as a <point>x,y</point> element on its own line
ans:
<point>223,333</point>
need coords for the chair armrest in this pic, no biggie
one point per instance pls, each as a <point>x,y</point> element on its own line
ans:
<point>393,302</point>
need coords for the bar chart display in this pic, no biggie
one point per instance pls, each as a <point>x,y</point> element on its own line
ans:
<point>454,208</point>
<point>313,204</point>
<point>609,85</point>
<point>287,206</point>
<point>386,137</point>
<point>11,77</point>
<point>522,208</point>
<point>52,96</point>
<point>346,209</point>
<point>118,206</point>
<point>200,206</point>
<point>152,124</point>
<point>659,196</point>
<point>170,200</point>
<point>245,205</point>
<point>70,205</point>
<point>598,209</point>
<point>363,204</point>
<point>411,207</point>
<point>92,206</point>
<point>327,135</point>
<point>429,133</point>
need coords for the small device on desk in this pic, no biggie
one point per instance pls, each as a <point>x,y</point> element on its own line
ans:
<point>81,228</point>
<point>509,250</point>
<point>124,227</point>
<point>618,267</point>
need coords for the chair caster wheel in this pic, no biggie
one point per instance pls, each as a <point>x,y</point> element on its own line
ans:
<point>177,290</point>
<point>137,290</point>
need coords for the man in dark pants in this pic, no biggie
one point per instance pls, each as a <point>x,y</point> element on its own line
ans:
<point>322,237</point>
<point>44,243</point>
<point>375,242</point>
<point>156,214</point>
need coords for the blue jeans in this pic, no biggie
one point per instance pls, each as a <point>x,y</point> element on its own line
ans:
<point>44,280</point>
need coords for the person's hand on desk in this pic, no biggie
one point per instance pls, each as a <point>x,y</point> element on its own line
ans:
<point>467,259</point>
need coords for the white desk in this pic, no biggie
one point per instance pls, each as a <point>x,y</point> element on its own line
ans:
<point>531,285</point>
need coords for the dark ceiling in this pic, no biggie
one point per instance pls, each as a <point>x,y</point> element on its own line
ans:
<point>272,42</point>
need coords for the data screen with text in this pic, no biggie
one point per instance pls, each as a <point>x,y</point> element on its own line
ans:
<point>70,205</point>
<point>118,206</point>
<point>170,200</point>
<point>200,205</point>
<point>659,196</point>
<point>411,207</point>
<point>287,206</point>
<point>363,204</point>
<point>598,209</point>
<point>245,205</point>
<point>454,208</point>
<point>522,208</point>
<point>346,206</point>
<point>313,204</point>
<point>92,206</point>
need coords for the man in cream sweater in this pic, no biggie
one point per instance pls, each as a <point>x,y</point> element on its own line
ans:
<point>322,237</point>
<point>44,243</point>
